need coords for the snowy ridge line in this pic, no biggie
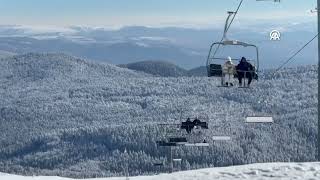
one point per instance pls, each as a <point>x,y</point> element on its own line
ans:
<point>262,171</point>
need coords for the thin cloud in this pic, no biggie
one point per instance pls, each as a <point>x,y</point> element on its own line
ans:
<point>197,22</point>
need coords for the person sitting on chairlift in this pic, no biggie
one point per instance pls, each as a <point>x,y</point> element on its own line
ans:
<point>228,71</point>
<point>245,70</point>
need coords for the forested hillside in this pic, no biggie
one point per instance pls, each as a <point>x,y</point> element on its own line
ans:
<point>157,68</point>
<point>165,69</point>
<point>65,116</point>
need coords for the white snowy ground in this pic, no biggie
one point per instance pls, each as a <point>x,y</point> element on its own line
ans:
<point>303,171</point>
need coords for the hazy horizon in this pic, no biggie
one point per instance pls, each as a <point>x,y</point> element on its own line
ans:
<point>102,30</point>
<point>151,13</point>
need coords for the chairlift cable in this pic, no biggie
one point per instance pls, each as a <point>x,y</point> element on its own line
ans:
<point>287,61</point>
<point>294,55</point>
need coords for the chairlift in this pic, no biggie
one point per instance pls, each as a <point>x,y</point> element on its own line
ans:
<point>176,160</point>
<point>197,144</point>
<point>215,62</point>
<point>178,140</point>
<point>259,119</point>
<point>221,138</point>
<point>166,144</point>
<point>190,125</point>
<point>158,164</point>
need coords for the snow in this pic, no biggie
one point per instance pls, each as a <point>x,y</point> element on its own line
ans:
<point>60,108</point>
<point>283,171</point>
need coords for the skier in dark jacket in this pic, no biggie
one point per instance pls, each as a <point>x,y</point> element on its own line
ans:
<point>245,70</point>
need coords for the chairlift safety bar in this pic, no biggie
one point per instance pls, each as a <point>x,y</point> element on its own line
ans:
<point>233,43</point>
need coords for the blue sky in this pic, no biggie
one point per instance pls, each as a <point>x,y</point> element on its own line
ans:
<point>115,13</point>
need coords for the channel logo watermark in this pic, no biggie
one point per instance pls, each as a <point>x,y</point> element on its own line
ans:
<point>275,35</point>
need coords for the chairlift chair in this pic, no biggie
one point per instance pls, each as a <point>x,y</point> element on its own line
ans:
<point>215,62</point>
<point>197,144</point>
<point>166,144</point>
<point>259,119</point>
<point>177,160</point>
<point>158,164</point>
<point>221,138</point>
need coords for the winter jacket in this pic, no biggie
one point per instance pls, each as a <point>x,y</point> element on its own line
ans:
<point>228,68</point>
<point>245,66</point>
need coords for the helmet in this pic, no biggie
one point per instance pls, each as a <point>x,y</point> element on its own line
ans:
<point>229,59</point>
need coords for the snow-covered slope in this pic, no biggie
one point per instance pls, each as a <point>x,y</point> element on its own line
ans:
<point>279,171</point>
<point>61,116</point>
<point>53,66</point>
<point>5,54</point>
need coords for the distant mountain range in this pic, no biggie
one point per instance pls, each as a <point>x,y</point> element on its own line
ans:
<point>159,68</point>
<point>185,47</point>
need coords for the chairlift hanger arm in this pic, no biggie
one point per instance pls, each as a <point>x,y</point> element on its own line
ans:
<point>226,26</point>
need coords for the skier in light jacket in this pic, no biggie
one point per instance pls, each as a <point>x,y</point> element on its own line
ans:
<point>228,71</point>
